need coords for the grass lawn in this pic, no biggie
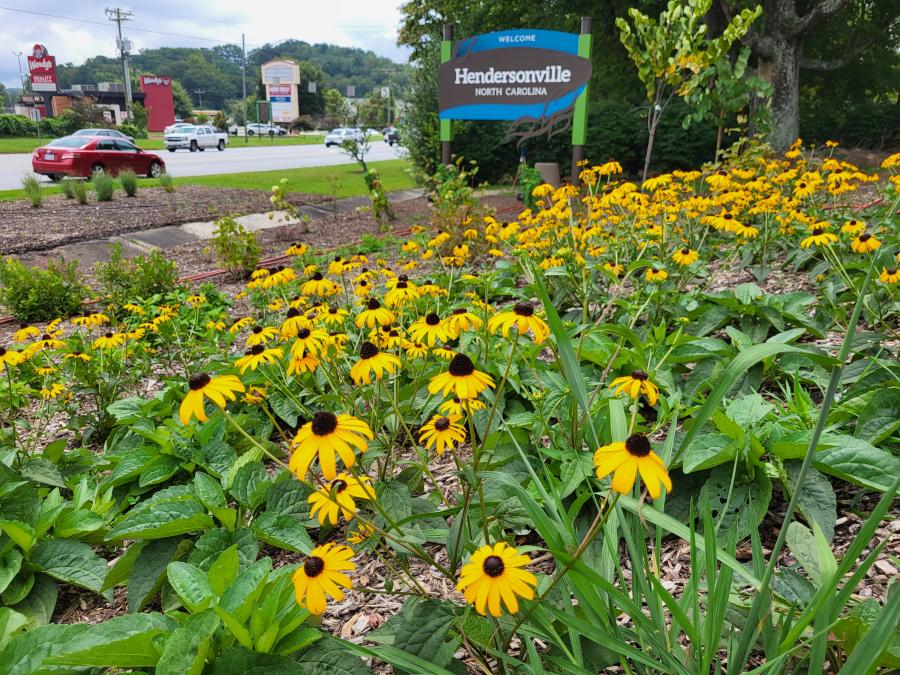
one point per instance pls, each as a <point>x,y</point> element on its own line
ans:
<point>343,180</point>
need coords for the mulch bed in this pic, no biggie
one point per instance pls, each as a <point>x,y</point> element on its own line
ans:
<point>63,221</point>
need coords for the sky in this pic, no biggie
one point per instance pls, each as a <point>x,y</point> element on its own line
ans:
<point>368,24</point>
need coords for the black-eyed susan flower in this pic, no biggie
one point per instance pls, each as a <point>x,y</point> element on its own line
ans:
<point>428,330</point>
<point>55,390</point>
<point>25,332</point>
<point>854,227</point>
<point>685,256</point>
<point>78,356</point>
<point>656,275</point>
<point>403,292</point>
<point>362,532</point>
<point>373,361</point>
<point>309,341</point>
<point>334,316</point>
<point>297,249</point>
<point>444,352</point>
<point>294,320</point>
<point>458,406</point>
<point>108,341</point>
<point>442,432</point>
<point>635,384</point>
<point>323,573</point>
<point>460,320</point>
<point>461,378</point>
<point>414,350</point>
<point>326,436</point>
<point>746,231</point>
<point>10,357</point>
<point>302,362</point>
<point>522,317</point>
<point>320,286</point>
<point>260,335</point>
<point>258,355</point>
<point>626,460</point>
<point>374,314</point>
<point>891,276</point>
<point>338,498</point>
<point>254,396</point>
<point>865,243</point>
<point>216,389</point>
<point>495,575</point>
<point>91,319</point>
<point>819,237</point>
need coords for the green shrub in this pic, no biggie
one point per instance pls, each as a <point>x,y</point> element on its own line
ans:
<point>167,183</point>
<point>129,181</point>
<point>17,125</point>
<point>127,280</point>
<point>133,130</point>
<point>68,187</point>
<point>79,190</point>
<point>33,191</point>
<point>236,249</point>
<point>104,186</point>
<point>34,294</point>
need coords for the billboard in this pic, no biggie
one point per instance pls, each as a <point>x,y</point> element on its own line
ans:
<point>281,96</point>
<point>158,100</point>
<point>512,75</point>
<point>41,69</point>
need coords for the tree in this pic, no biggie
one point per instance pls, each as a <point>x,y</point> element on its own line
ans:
<point>671,53</point>
<point>336,106</point>
<point>138,115</point>
<point>778,43</point>
<point>373,111</point>
<point>184,106</point>
<point>2,96</point>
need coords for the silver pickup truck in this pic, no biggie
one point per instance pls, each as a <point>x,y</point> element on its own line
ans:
<point>194,138</point>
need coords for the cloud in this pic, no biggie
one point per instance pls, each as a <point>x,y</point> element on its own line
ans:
<point>367,24</point>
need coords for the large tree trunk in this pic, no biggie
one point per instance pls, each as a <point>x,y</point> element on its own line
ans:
<point>784,70</point>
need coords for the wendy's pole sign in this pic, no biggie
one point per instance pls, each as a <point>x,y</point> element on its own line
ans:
<point>534,78</point>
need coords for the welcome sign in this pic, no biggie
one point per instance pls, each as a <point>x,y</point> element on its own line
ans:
<point>512,75</point>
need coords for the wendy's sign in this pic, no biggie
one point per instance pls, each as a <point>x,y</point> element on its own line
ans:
<point>514,75</point>
<point>41,69</point>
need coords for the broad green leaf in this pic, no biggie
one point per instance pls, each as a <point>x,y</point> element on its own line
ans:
<point>167,518</point>
<point>11,622</point>
<point>40,602</point>
<point>223,571</point>
<point>395,500</point>
<point>26,652</point>
<point>880,418</point>
<point>10,564</point>
<point>208,547</point>
<point>122,642</point>
<point>855,460</point>
<point>816,501</point>
<point>282,531</point>
<point>121,568</point>
<point>419,628</point>
<point>77,523</point>
<point>70,561</point>
<point>191,584</point>
<point>21,533</point>
<point>328,657</point>
<point>149,571</point>
<point>802,544</point>
<point>185,651</point>
<point>42,470</point>
<point>250,485</point>
<point>709,450</point>
<point>239,597</point>
<point>239,661</point>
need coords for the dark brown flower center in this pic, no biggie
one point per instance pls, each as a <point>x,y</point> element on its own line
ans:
<point>303,333</point>
<point>402,284</point>
<point>493,566</point>
<point>460,310</point>
<point>256,350</point>
<point>442,424</point>
<point>523,309</point>
<point>324,423</point>
<point>685,251</point>
<point>373,304</point>
<point>46,336</point>
<point>728,216</point>
<point>432,319</point>
<point>802,185</point>
<point>339,486</point>
<point>198,381</point>
<point>637,445</point>
<point>2,351</point>
<point>402,278</point>
<point>106,335</point>
<point>317,276</point>
<point>292,312</point>
<point>314,566</point>
<point>818,231</point>
<point>332,310</point>
<point>368,350</point>
<point>865,236</point>
<point>257,330</point>
<point>363,283</point>
<point>461,366</point>
<point>639,375</point>
<point>893,272</point>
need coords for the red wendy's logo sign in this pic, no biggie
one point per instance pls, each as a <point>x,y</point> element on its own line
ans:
<point>42,69</point>
<point>155,80</point>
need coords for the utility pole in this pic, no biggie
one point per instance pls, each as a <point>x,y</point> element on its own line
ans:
<point>200,93</point>
<point>119,16</point>
<point>21,74</point>
<point>244,83</point>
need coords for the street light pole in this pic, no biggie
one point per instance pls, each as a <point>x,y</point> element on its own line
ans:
<point>21,74</point>
<point>119,16</point>
<point>200,93</point>
<point>244,83</point>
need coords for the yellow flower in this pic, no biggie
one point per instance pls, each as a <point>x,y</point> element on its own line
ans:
<point>371,360</point>
<point>887,277</point>
<point>818,237</point>
<point>261,335</point>
<point>865,243</point>
<point>78,356</point>
<point>309,341</point>
<point>685,256</point>
<point>297,249</point>
<point>326,436</point>
<point>196,301</point>
<point>495,574</point>
<point>522,317</point>
<point>10,357</point>
<point>323,572</point>
<point>627,460</point>
<point>336,499</point>
<point>240,324</point>
<point>258,355</point>
<point>53,392</point>
<point>109,341</point>
<point>318,285</point>
<point>460,320</point>
<point>302,362</point>
<point>442,432</point>
<point>461,378</point>
<point>654,275</point>
<point>374,314</point>
<point>853,227</point>
<point>636,384</point>
<point>25,331</point>
<point>460,407</point>
<point>217,389</point>
<point>254,396</point>
<point>428,330</point>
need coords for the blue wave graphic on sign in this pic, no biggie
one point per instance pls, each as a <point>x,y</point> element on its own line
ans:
<point>500,111</point>
<point>504,39</point>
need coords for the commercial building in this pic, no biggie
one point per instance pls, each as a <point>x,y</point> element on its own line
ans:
<point>281,78</point>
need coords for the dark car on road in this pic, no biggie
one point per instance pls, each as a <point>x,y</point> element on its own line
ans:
<point>392,136</point>
<point>83,156</point>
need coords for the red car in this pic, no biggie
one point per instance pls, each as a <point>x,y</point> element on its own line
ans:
<point>83,156</point>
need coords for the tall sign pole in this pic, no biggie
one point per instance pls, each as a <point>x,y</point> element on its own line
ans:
<point>579,119</point>
<point>447,125</point>
<point>119,16</point>
<point>244,83</point>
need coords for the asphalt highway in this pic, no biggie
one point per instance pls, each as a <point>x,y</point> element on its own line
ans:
<point>212,162</point>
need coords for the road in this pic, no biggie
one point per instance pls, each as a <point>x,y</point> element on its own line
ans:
<point>211,162</point>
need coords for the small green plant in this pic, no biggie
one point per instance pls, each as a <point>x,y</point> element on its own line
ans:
<point>127,280</point>
<point>381,207</point>
<point>129,182</point>
<point>529,178</point>
<point>167,183</point>
<point>68,187</point>
<point>104,186</point>
<point>236,249</point>
<point>34,294</point>
<point>33,191</point>
<point>79,190</point>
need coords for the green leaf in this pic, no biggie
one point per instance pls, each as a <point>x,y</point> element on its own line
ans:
<point>877,639</point>
<point>21,533</point>
<point>394,498</point>
<point>121,568</point>
<point>11,622</point>
<point>122,642</point>
<point>38,606</point>
<point>150,571</point>
<point>742,505</point>
<point>166,518</point>
<point>816,501</point>
<point>185,651</point>
<point>239,661</point>
<point>70,561</point>
<point>239,597</point>
<point>855,460</point>
<point>708,451</point>
<point>77,523</point>
<point>749,410</point>
<point>249,486</point>
<point>191,584</point>
<point>42,470</point>
<point>208,547</point>
<point>419,629</point>
<point>880,418</point>
<point>10,564</point>
<point>159,470</point>
<point>223,571</point>
<point>327,657</point>
<point>26,652</point>
<point>282,531</point>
